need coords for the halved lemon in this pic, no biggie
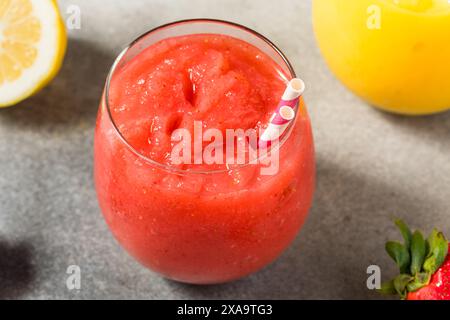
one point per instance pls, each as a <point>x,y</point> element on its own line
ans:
<point>33,42</point>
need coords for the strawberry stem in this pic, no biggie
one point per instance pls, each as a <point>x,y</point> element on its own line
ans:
<point>418,259</point>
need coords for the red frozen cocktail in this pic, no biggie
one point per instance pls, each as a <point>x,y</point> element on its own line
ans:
<point>199,222</point>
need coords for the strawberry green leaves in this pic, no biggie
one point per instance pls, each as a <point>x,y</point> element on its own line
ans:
<point>405,231</point>
<point>418,252</point>
<point>388,288</point>
<point>400,254</point>
<point>438,249</point>
<point>418,259</point>
<point>400,284</point>
<point>420,280</point>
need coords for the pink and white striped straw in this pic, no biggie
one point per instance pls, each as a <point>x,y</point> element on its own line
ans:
<point>284,114</point>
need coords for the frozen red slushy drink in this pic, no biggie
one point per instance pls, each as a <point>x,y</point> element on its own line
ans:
<point>199,222</point>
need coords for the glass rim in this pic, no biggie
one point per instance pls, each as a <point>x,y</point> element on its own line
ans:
<point>167,167</point>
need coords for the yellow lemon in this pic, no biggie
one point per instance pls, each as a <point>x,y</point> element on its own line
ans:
<point>33,42</point>
<point>395,54</point>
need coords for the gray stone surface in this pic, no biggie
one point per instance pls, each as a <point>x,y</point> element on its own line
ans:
<point>371,166</point>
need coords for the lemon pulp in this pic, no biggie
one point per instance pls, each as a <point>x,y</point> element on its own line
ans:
<point>32,46</point>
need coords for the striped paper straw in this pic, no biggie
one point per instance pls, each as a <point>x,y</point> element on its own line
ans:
<point>284,114</point>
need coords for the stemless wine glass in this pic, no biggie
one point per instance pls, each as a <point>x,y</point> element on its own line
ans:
<point>227,229</point>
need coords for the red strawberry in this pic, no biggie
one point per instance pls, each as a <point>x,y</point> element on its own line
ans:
<point>439,286</point>
<point>424,266</point>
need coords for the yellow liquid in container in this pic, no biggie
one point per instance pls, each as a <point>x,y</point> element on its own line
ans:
<point>395,54</point>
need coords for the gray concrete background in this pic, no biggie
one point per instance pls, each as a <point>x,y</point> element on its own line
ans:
<point>371,166</point>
